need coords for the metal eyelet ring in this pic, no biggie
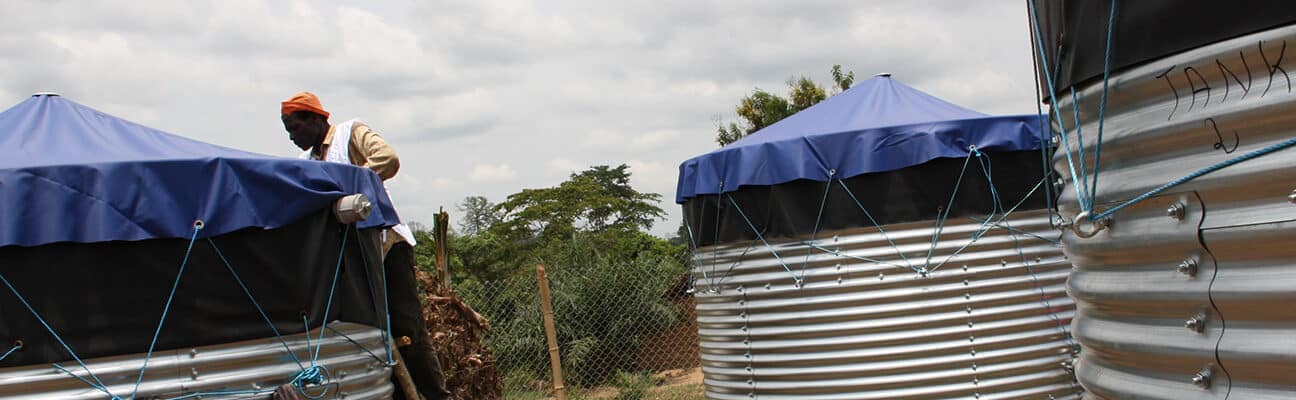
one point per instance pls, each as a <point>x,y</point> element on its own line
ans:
<point>1085,228</point>
<point>199,224</point>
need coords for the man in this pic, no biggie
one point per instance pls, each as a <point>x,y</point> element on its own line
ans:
<point>355,143</point>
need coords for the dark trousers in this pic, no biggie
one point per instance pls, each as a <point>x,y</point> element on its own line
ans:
<point>407,320</point>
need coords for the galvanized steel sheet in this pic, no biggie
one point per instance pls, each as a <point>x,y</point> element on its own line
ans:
<point>991,321</point>
<point>1189,295</point>
<point>354,356</point>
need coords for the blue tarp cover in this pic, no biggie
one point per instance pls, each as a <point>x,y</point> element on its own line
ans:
<point>876,126</point>
<point>69,173</point>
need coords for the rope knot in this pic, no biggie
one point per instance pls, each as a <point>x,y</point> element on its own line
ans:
<point>312,375</point>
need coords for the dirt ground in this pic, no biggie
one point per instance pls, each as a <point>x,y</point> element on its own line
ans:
<point>675,384</point>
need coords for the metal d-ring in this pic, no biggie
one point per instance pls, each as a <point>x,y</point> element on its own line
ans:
<point>1081,221</point>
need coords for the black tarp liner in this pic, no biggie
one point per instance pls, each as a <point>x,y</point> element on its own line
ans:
<point>1075,32</point>
<point>915,193</point>
<point>105,298</point>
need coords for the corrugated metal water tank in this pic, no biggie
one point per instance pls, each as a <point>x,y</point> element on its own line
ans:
<point>1192,293</point>
<point>989,323</point>
<point>353,357</point>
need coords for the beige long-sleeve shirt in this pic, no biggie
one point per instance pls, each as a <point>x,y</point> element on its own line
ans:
<point>370,151</point>
<point>367,150</point>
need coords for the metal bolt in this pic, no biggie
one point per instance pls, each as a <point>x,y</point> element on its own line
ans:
<point>1291,198</point>
<point>1176,211</point>
<point>1055,140</point>
<point>1203,379</point>
<point>1188,267</point>
<point>1196,324</point>
<point>193,353</point>
<point>193,373</point>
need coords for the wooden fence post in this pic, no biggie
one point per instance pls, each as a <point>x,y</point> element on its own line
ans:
<point>546,309</point>
<point>440,229</point>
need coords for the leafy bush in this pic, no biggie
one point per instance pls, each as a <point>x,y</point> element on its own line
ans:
<point>604,309</point>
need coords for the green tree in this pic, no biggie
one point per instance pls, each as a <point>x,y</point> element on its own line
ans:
<point>597,199</point>
<point>761,108</point>
<point>478,215</point>
<point>842,81</point>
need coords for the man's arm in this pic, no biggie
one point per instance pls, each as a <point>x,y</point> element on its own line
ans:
<point>377,154</point>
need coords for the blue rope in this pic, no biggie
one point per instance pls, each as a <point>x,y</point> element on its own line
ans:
<point>6,354</point>
<point>986,226</point>
<point>337,270</point>
<point>306,328</point>
<point>875,224</point>
<point>248,292</point>
<point>1047,170</point>
<point>1083,183</point>
<point>1039,38</point>
<point>50,329</point>
<point>987,169</point>
<point>1102,106</point>
<point>354,342</point>
<point>165,309</point>
<point>314,375</point>
<point>944,214</point>
<point>839,253</point>
<point>762,239</point>
<point>97,386</point>
<point>1197,174</point>
<point>382,274</point>
<point>815,232</point>
<point>693,242</point>
<point>715,253</point>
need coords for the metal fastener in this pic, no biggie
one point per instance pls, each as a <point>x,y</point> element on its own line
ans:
<point>1055,140</point>
<point>1196,324</point>
<point>193,373</point>
<point>1176,211</point>
<point>1291,198</point>
<point>1203,378</point>
<point>1188,266</point>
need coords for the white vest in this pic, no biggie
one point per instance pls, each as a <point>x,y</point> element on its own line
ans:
<point>342,154</point>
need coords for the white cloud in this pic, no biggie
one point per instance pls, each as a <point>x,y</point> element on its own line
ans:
<point>492,173</point>
<point>490,97</point>
<point>654,140</point>
<point>565,166</point>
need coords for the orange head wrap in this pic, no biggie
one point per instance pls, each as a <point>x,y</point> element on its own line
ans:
<point>304,101</point>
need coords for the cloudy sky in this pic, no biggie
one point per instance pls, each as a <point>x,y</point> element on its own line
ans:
<point>488,97</point>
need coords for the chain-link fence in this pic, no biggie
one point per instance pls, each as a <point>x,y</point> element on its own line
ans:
<point>624,331</point>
